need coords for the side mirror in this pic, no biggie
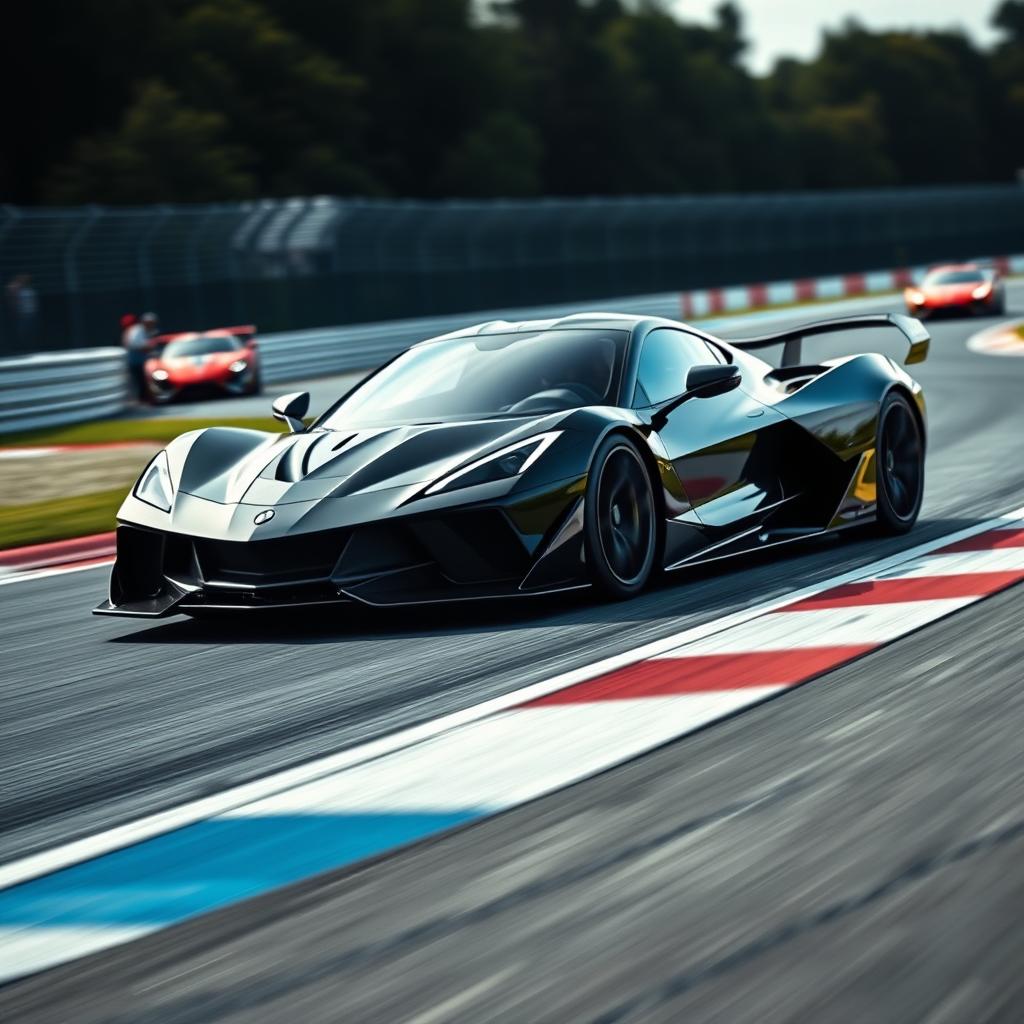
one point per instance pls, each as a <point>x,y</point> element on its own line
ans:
<point>712,379</point>
<point>291,408</point>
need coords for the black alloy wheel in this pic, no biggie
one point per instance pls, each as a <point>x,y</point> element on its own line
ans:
<point>899,471</point>
<point>620,523</point>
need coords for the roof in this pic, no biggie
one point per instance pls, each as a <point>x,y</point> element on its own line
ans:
<point>597,321</point>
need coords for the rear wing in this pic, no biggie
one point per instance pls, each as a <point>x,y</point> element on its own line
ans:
<point>792,340</point>
<point>244,333</point>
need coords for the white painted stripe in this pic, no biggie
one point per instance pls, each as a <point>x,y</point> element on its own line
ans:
<point>859,625</point>
<point>829,288</point>
<point>701,303</point>
<point>781,292</point>
<point>880,281</point>
<point>736,298</point>
<point>42,574</point>
<point>508,758</point>
<point>1000,339</point>
<point>34,949</point>
<point>26,453</point>
<point>960,562</point>
<point>208,807</point>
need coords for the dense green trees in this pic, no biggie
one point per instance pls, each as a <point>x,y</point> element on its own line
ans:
<point>178,100</point>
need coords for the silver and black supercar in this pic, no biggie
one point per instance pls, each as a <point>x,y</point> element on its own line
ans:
<point>522,458</point>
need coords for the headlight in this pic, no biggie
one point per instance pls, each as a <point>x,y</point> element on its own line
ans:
<point>154,486</point>
<point>981,291</point>
<point>915,298</point>
<point>238,366</point>
<point>160,375</point>
<point>500,465</point>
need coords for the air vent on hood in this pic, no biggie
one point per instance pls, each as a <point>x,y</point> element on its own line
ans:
<point>294,463</point>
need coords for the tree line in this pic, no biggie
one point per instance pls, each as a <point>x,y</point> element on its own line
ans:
<point>194,100</point>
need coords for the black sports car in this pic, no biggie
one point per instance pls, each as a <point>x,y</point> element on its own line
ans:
<point>517,458</point>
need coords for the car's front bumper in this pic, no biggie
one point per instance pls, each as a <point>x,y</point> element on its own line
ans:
<point>523,545</point>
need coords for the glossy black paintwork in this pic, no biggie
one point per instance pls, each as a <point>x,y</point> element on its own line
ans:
<point>785,453</point>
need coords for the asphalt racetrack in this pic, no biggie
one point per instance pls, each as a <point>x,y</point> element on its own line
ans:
<point>848,851</point>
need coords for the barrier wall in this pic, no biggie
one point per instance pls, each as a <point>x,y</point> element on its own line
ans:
<point>67,387</point>
<point>62,387</point>
<point>300,263</point>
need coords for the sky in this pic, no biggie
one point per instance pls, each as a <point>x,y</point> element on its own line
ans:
<point>778,28</point>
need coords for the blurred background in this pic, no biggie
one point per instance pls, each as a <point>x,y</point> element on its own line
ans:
<point>303,163</point>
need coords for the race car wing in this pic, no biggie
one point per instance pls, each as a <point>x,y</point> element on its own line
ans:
<point>792,339</point>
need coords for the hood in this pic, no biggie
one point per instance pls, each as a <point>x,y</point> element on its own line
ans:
<point>233,466</point>
<point>185,369</point>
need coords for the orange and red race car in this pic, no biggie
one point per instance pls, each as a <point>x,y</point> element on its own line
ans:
<point>962,287</point>
<point>202,364</point>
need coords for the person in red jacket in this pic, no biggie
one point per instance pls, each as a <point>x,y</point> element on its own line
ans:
<point>137,339</point>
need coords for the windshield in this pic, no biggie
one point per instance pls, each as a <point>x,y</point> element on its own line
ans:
<point>955,277</point>
<point>201,346</point>
<point>489,375</point>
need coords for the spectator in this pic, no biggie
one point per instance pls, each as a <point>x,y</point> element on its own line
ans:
<point>137,339</point>
<point>24,304</point>
<point>127,320</point>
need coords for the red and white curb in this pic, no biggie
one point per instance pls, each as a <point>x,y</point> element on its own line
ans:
<point>1001,340</point>
<point>709,301</point>
<point>488,758</point>
<point>38,560</point>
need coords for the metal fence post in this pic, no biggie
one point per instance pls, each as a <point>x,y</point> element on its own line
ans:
<point>143,255</point>
<point>76,319</point>
<point>194,271</point>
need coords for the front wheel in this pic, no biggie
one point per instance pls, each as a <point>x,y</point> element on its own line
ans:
<point>620,522</point>
<point>899,470</point>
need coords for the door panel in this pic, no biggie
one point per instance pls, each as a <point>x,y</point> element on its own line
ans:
<point>720,450</point>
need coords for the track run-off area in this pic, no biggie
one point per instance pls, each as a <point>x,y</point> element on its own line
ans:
<point>846,841</point>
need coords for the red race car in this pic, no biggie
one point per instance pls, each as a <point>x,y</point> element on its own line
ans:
<point>222,361</point>
<point>964,287</point>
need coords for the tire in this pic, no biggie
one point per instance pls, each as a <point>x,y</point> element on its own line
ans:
<point>620,525</point>
<point>256,388</point>
<point>899,465</point>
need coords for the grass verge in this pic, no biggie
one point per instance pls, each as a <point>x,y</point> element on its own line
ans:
<point>106,431</point>
<point>59,518</point>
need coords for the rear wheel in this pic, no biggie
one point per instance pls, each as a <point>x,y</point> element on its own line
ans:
<point>899,469</point>
<point>620,523</point>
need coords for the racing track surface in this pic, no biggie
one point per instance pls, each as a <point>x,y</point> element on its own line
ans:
<point>852,838</point>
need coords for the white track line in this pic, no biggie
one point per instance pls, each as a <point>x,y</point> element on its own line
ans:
<point>1000,340</point>
<point>60,570</point>
<point>197,810</point>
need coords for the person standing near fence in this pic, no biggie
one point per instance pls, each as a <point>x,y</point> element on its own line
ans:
<point>137,339</point>
<point>23,301</point>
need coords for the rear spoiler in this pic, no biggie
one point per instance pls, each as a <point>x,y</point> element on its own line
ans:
<point>913,330</point>
<point>246,332</point>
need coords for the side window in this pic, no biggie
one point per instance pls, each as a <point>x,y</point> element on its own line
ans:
<point>665,359</point>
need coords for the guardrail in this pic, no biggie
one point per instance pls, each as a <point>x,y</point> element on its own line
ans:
<point>66,387</point>
<point>61,387</point>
